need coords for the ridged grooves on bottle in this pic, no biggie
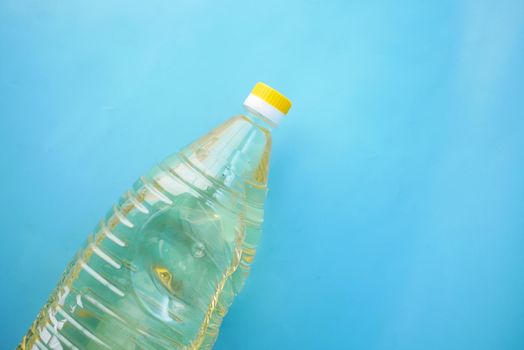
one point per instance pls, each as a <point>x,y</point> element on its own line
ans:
<point>81,328</point>
<point>172,172</point>
<point>218,184</point>
<point>71,274</point>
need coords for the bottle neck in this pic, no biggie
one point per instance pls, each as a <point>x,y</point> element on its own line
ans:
<point>259,120</point>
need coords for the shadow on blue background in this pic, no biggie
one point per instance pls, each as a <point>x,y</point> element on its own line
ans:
<point>395,218</point>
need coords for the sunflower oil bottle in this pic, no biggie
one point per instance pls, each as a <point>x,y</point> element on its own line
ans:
<point>163,267</point>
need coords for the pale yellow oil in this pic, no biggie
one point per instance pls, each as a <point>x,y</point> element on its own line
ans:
<point>161,270</point>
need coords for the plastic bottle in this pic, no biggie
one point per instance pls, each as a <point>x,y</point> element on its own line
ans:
<point>164,266</point>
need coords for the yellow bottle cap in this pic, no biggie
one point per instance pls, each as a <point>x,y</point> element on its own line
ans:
<point>272,96</point>
<point>268,102</point>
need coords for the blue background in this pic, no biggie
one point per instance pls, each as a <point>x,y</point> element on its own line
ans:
<point>395,218</point>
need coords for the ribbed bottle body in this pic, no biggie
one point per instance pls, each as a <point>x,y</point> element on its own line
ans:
<point>162,268</point>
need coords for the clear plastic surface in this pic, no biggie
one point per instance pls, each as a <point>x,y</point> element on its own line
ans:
<point>161,270</point>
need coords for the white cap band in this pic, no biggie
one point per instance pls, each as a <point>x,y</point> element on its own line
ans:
<point>264,109</point>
